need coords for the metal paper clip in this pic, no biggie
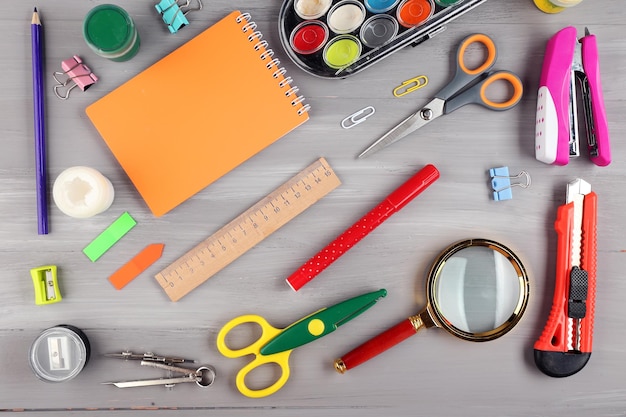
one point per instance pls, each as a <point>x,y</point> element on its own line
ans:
<point>46,285</point>
<point>502,184</point>
<point>411,85</point>
<point>76,72</point>
<point>357,117</point>
<point>173,15</point>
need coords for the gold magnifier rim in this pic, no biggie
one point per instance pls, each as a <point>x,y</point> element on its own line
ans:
<point>435,272</point>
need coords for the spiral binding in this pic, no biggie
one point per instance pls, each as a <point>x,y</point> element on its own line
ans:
<point>267,54</point>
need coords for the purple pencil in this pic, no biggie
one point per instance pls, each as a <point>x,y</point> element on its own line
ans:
<point>40,125</point>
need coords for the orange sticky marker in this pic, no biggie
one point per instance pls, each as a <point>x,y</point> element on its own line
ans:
<point>137,265</point>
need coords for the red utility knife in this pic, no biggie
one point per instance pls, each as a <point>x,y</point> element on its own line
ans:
<point>564,347</point>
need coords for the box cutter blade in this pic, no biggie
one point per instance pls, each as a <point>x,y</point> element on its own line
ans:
<point>569,62</point>
<point>564,347</point>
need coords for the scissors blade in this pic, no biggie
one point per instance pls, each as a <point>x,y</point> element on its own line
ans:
<point>320,323</point>
<point>423,116</point>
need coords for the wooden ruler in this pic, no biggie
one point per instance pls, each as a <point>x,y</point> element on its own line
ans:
<point>249,228</point>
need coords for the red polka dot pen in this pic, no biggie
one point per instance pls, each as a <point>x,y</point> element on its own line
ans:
<point>390,205</point>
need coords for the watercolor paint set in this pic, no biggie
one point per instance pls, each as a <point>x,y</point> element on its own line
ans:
<point>338,38</point>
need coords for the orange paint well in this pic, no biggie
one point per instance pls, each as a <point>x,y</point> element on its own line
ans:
<point>414,12</point>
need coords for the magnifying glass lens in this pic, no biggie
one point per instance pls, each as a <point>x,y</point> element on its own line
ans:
<point>477,290</point>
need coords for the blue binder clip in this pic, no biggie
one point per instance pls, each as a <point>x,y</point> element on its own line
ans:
<point>173,14</point>
<point>502,184</point>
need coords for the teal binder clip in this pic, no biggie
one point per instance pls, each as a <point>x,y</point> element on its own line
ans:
<point>174,14</point>
<point>501,182</point>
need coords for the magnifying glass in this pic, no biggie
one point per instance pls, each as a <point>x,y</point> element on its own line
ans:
<point>477,290</point>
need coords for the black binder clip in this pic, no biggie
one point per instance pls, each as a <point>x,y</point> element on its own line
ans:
<point>174,14</point>
<point>78,75</point>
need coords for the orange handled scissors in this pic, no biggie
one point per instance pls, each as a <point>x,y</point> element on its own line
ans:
<point>468,86</point>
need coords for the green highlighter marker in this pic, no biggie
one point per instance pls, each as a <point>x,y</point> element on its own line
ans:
<point>109,237</point>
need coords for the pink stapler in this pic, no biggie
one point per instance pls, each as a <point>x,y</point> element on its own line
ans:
<point>569,61</point>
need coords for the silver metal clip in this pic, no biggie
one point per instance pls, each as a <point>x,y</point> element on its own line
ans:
<point>357,117</point>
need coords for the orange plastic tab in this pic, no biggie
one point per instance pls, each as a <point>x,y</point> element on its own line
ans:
<point>137,265</point>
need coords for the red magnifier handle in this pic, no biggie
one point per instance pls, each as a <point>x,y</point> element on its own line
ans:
<point>379,344</point>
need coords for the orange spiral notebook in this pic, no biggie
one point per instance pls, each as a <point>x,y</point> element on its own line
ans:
<point>199,112</point>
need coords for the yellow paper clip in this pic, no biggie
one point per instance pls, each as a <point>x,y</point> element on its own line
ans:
<point>411,85</point>
<point>46,285</point>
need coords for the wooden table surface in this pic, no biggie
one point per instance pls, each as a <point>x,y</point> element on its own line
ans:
<point>431,374</point>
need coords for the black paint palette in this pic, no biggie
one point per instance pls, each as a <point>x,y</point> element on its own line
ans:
<point>338,38</point>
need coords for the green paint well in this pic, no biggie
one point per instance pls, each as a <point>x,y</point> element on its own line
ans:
<point>342,51</point>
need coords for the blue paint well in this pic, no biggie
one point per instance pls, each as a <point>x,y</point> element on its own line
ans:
<point>380,6</point>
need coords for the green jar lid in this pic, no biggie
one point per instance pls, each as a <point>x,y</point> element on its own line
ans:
<point>110,31</point>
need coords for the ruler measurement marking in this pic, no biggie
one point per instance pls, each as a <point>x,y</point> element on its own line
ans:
<point>249,228</point>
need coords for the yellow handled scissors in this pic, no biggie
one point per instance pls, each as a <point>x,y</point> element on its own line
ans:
<point>467,86</point>
<point>275,345</point>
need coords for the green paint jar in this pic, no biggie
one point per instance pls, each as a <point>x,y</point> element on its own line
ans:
<point>111,33</point>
